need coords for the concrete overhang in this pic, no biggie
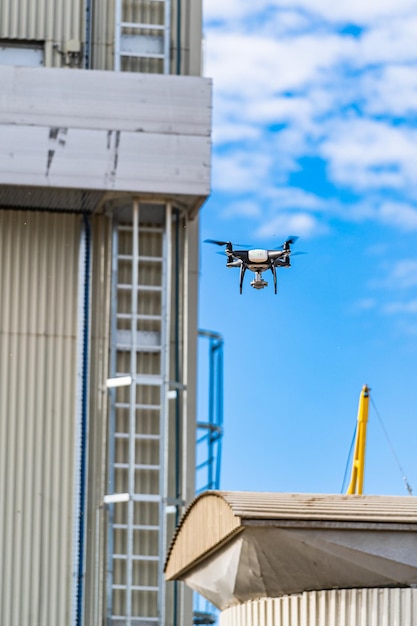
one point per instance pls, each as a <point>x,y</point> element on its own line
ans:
<point>103,133</point>
<point>233,547</point>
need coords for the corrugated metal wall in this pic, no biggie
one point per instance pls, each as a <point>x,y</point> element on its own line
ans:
<point>95,565</point>
<point>38,349</point>
<point>339,607</point>
<point>53,22</point>
<point>57,24</point>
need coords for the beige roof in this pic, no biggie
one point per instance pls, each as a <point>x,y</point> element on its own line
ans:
<point>214,516</point>
<point>310,533</point>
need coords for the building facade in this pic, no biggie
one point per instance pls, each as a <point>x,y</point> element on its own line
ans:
<point>105,126</point>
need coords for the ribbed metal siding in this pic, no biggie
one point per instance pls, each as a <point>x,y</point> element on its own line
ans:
<point>97,427</point>
<point>48,21</point>
<point>38,348</point>
<point>341,607</point>
<point>296,506</point>
<point>55,22</point>
<point>189,13</point>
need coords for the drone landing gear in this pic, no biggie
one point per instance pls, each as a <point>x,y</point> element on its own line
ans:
<point>242,274</point>
<point>258,282</point>
<point>274,274</point>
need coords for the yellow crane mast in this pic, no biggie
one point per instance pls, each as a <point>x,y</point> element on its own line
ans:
<point>358,465</point>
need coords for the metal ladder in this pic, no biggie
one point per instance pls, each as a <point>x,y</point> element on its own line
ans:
<point>138,460</point>
<point>143,32</point>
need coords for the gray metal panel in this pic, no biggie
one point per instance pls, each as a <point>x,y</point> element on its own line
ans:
<point>141,103</point>
<point>162,147</point>
<point>38,349</point>
<point>342,607</point>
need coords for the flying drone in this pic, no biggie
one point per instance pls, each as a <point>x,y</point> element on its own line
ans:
<point>257,260</point>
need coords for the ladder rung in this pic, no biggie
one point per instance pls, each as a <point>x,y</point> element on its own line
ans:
<point>142,55</point>
<point>136,527</point>
<point>140,436</point>
<point>136,557</point>
<point>136,588</point>
<point>140,348</point>
<point>142,26</point>
<point>127,228</point>
<point>145,407</point>
<point>127,287</point>
<point>149,497</point>
<point>141,466</point>
<point>128,316</point>
<point>151,259</point>
<point>145,620</point>
<point>149,379</point>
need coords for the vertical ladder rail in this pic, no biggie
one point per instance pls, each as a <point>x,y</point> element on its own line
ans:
<point>164,423</point>
<point>112,423</point>
<point>167,37</point>
<point>132,407</point>
<point>117,34</point>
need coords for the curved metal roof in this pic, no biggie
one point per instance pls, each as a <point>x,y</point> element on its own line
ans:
<point>295,542</point>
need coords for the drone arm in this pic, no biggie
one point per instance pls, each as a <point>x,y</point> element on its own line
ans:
<point>283,262</point>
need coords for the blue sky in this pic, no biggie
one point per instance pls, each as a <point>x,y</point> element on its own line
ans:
<point>314,134</point>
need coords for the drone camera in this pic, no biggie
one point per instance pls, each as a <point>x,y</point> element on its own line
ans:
<point>259,284</point>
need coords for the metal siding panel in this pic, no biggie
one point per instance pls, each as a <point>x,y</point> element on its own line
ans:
<point>50,21</point>
<point>97,450</point>
<point>341,607</point>
<point>144,163</point>
<point>38,353</point>
<point>48,97</point>
<point>103,36</point>
<point>141,10</point>
<point>295,506</point>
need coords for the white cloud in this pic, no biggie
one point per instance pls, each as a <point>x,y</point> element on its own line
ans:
<point>294,198</point>
<point>368,154</point>
<point>252,66</point>
<point>403,274</point>
<point>391,90</point>
<point>403,216</point>
<point>408,308</point>
<point>365,304</point>
<point>304,224</point>
<point>242,171</point>
<point>389,41</point>
<point>244,208</point>
<point>355,11</point>
<point>286,64</point>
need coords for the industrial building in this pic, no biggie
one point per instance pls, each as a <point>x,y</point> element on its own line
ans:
<point>105,125</point>
<point>277,559</point>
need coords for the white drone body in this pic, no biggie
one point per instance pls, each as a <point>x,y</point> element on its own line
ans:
<point>257,260</point>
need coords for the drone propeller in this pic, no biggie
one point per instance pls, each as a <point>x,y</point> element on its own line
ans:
<point>224,243</point>
<point>217,243</point>
<point>289,241</point>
